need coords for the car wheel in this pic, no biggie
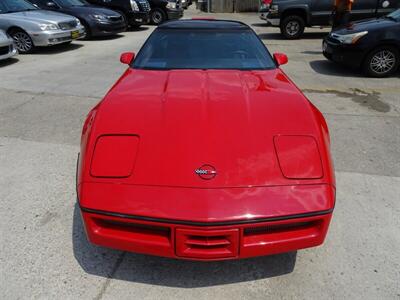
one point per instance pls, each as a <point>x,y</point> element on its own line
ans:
<point>382,62</point>
<point>22,41</point>
<point>292,27</point>
<point>158,16</point>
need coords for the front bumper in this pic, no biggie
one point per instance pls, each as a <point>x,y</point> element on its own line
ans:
<point>192,242</point>
<point>350,55</point>
<point>104,29</point>
<point>206,224</point>
<point>271,18</point>
<point>7,50</point>
<point>49,38</point>
<point>138,18</point>
<point>175,13</point>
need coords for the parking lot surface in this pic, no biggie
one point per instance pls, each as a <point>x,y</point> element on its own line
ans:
<point>44,253</point>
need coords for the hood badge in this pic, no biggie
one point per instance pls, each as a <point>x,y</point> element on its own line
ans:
<point>206,172</point>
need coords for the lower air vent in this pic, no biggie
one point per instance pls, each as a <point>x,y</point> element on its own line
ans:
<point>207,244</point>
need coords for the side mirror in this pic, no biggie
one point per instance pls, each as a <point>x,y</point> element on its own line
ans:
<point>127,57</point>
<point>51,5</point>
<point>281,58</point>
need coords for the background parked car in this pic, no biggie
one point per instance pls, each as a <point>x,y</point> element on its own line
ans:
<point>373,45</point>
<point>186,3</point>
<point>98,21</point>
<point>135,12</point>
<point>30,27</point>
<point>292,16</point>
<point>7,48</point>
<point>163,10</point>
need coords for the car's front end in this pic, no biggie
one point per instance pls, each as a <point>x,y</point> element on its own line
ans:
<point>345,48</point>
<point>104,25</point>
<point>7,48</point>
<point>269,11</point>
<point>206,224</point>
<point>49,33</point>
<point>139,13</point>
<point>174,9</point>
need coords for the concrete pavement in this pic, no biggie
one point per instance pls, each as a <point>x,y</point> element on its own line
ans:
<point>44,98</point>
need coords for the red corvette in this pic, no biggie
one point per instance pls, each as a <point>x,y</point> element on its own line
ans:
<point>205,150</point>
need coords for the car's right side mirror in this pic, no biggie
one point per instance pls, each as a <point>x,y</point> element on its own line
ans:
<point>281,58</point>
<point>127,57</point>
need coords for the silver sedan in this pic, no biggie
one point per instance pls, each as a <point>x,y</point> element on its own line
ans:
<point>7,48</point>
<point>30,27</point>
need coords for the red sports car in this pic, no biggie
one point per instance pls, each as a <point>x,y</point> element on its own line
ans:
<point>205,150</point>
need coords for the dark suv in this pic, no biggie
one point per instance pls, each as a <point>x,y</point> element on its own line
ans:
<point>135,12</point>
<point>292,16</point>
<point>163,10</point>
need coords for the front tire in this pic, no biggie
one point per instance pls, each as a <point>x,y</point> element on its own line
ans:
<point>22,41</point>
<point>382,62</point>
<point>158,16</point>
<point>292,27</point>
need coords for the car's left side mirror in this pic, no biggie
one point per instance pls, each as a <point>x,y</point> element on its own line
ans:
<point>127,57</point>
<point>51,5</point>
<point>281,58</point>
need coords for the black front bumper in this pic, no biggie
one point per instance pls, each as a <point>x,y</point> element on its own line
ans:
<point>350,55</point>
<point>175,13</point>
<point>104,29</point>
<point>138,18</point>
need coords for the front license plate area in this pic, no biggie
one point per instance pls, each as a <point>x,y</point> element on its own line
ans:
<point>75,34</point>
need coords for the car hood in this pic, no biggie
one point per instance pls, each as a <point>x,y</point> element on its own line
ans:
<point>38,16</point>
<point>365,25</point>
<point>90,9</point>
<point>226,119</point>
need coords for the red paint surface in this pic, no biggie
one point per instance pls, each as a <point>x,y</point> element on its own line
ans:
<point>298,156</point>
<point>224,118</point>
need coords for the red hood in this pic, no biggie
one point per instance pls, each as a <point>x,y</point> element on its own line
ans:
<point>227,119</point>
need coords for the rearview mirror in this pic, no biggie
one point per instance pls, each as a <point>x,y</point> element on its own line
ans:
<point>281,58</point>
<point>127,57</point>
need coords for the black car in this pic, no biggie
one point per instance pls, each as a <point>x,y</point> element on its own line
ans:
<point>373,45</point>
<point>98,21</point>
<point>163,10</point>
<point>292,16</point>
<point>135,12</point>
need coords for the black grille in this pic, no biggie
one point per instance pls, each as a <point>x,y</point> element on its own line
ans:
<point>68,25</point>
<point>144,5</point>
<point>5,50</point>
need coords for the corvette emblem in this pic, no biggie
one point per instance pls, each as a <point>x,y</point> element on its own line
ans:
<point>206,172</point>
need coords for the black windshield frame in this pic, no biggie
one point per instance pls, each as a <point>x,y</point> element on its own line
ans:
<point>270,63</point>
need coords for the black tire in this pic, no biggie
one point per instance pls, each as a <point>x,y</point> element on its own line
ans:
<point>292,27</point>
<point>157,16</point>
<point>22,41</point>
<point>382,62</point>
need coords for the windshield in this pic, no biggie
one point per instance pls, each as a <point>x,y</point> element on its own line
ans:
<point>204,49</point>
<point>9,6</point>
<point>395,15</point>
<point>68,3</point>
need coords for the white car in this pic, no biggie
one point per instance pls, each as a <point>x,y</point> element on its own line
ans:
<point>7,48</point>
